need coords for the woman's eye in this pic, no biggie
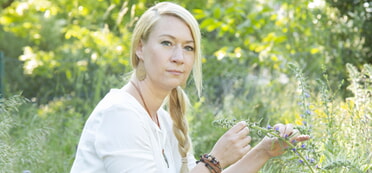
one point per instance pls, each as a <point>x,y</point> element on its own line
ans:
<point>166,43</point>
<point>189,48</point>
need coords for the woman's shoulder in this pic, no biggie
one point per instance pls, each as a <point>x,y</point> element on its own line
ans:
<point>117,104</point>
<point>118,100</point>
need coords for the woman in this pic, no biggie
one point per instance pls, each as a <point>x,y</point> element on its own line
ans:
<point>129,131</point>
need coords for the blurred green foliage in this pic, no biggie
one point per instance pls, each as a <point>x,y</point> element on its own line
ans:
<point>63,56</point>
<point>71,46</point>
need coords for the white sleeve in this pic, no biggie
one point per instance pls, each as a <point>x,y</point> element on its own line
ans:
<point>123,143</point>
<point>191,161</point>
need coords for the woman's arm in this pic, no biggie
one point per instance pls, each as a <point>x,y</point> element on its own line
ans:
<point>255,159</point>
<point>231,147</point>
<point>252,162</point>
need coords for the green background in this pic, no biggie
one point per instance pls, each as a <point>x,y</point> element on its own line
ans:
<point>269,61</point>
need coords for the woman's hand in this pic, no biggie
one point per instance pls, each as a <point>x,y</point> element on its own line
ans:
<point>272,146</point>
<point>233,145</point>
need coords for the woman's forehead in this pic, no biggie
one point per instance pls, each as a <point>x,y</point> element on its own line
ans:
<point>172,26</point>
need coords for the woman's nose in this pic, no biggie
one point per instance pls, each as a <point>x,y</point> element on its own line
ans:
<point>177,56</point>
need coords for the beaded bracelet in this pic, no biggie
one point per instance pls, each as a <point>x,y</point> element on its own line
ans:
<point>211,163</point>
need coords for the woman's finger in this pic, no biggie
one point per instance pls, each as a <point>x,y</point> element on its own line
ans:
<point>246,149</point>
<point>245,141</point>
<point>301,138</point>
<point>245,144</point>
<point>243,132</point>
<point>280,128</point>
<point>288,130</point>
<point>238,126</point>
<point>294,135</point>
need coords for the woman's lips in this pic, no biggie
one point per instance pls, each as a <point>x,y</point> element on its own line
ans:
<point>175,72</point>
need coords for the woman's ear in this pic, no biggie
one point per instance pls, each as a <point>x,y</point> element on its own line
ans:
<point>139,50</point>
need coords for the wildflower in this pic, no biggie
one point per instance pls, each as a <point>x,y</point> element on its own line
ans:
<point>308,112</point>
<point>269,127</point>
<point>303,146</point>
<point>307,95</point>
<point>294,141</point>
<point>277,128</point>
<point>298,122</point>
<point>301,161</point>
<point>312,160</point>
<point>294,149</point>
<point>302,116</point>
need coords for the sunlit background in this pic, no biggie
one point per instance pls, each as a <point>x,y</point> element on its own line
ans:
<point>292,61</point>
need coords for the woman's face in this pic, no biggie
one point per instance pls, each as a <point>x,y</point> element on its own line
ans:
<point>168,53</point>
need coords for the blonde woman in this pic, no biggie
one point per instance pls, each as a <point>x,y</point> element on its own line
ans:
<point>129,130</point>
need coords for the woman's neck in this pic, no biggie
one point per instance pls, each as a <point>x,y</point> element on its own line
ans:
<point>150,97</point>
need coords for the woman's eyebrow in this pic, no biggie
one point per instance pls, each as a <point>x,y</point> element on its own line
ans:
<point>174,38</point>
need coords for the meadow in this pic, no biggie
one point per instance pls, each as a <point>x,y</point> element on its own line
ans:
<point>44,138</point>
<point>302,62</point>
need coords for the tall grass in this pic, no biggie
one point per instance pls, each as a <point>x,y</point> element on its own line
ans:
<point>340,129</point>
<point>22,138</point>
<point>38,139</point>
<point>43,138</point>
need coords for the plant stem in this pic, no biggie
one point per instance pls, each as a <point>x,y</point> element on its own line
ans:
<point>273,133</point>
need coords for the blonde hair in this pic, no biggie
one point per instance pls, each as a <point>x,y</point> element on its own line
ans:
<point>178,100</point>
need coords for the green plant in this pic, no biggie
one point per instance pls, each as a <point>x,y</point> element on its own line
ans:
<point>22,138</point>
<point>335,126</point>
<point>39,139</point>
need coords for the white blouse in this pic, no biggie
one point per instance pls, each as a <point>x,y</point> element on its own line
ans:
<point>120,136</point>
